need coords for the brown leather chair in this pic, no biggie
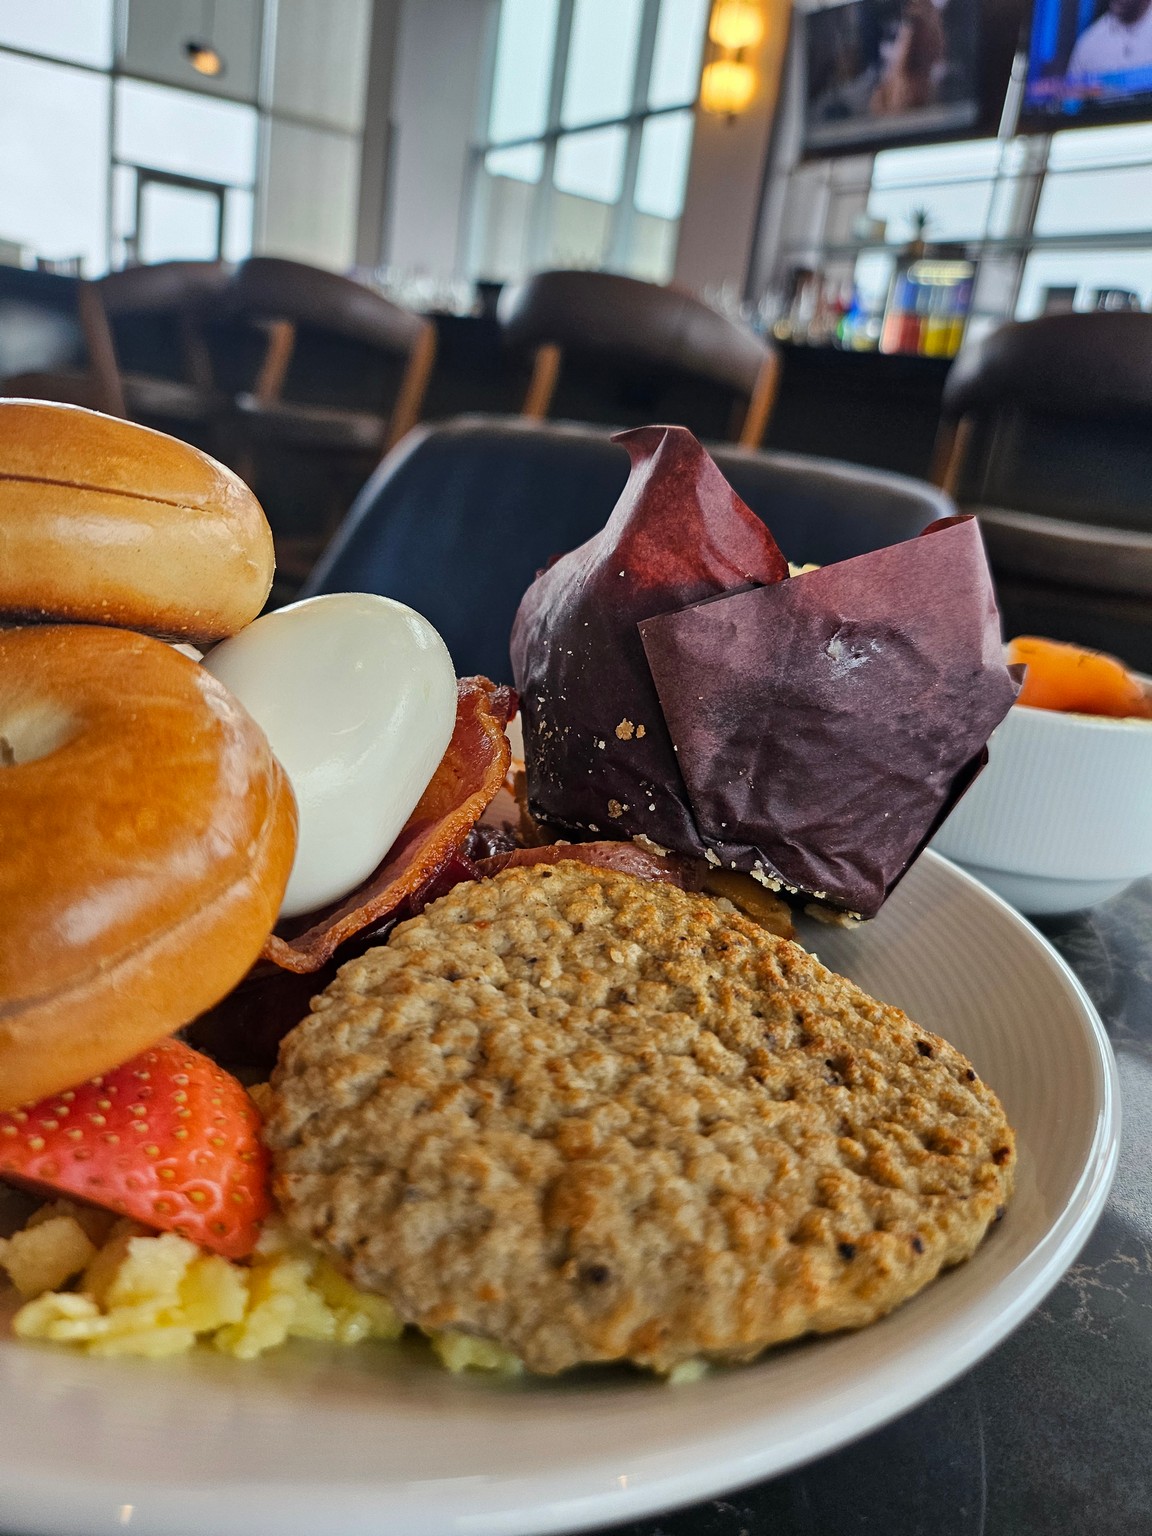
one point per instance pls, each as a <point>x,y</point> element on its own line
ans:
<point>621,352</point>
<point>1047,437</point>
<point>344,370</point>
<point>146,356</point>
<point>156,315</point>
<point>341,378</point>
<point>55,342</point>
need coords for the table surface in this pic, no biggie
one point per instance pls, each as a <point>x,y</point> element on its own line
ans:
<point>1052,1433</point>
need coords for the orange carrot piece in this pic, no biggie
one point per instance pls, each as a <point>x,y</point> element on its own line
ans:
<point>1065,677</point>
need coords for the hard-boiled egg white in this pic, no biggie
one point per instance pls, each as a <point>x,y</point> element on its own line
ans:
<point>357,696</point>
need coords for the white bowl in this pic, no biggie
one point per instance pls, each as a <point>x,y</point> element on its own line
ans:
<point>1061,818</point>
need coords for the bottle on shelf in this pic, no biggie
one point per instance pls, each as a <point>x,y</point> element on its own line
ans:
<point>928,304</point>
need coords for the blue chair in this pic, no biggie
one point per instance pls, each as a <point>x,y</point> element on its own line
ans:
<point>459,518</point>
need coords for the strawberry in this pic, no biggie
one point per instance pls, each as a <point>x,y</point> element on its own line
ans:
<point>168,1138</point>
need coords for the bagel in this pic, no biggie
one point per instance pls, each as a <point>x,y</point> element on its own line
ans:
<point>106,522</point>
<point>146,837</point>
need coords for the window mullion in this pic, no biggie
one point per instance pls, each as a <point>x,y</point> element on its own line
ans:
<point>1026,205</point>
<point>483,120</point>
<point>119,18</point>
<point>541,217</point>
<point>624,214</point>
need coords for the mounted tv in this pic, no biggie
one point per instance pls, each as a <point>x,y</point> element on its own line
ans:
<point>881,73</point>
<point>1090,63</point>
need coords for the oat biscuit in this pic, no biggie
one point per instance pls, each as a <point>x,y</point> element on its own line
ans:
<point>598,1119</point>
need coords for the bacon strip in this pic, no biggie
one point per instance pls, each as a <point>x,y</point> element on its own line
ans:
<point>471,772</point>
<point>625,858</point>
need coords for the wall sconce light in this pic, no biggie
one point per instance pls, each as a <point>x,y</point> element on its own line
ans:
<point>736,24</point>
<point>727,87</point>
<point>728,84</point>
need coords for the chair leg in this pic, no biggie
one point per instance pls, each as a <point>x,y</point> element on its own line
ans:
<point>269,384</point>
<point>197,357</point>
<point>104,368</point>
<point>542,386</point>
<point>953,441</point>
<point>763,402</point>
<point>414,386</point>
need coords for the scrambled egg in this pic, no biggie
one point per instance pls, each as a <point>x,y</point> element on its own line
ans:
<point>138,1293</point>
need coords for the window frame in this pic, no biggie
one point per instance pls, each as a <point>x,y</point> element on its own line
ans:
<point>623,211</point>
<point>52,61</point>
<point>119,247</point>
<point>1000,250</point>
<point>145,177</point>
<point>124,246</point>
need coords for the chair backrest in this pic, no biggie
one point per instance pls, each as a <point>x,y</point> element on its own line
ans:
<point>1072,581</point>
<point>333,341</point>
<point>458,520</point>
<point>616,350</point>
<point>155,313</point>
<point>1054,416</point>
<point>164,287</point>
<point>54,332</point>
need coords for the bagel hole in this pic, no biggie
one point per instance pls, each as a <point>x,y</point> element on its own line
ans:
<point>32,732</point>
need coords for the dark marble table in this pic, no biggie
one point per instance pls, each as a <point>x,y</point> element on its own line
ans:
<point>1051,1435</point>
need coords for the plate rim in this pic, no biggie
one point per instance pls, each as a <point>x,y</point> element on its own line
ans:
<point>64,1505</point>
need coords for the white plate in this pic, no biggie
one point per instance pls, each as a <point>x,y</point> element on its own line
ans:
<point>322,1442</point>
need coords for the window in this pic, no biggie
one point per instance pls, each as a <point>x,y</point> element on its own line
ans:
<point>113,152</point>
<point>949,184</point>
<point>178,158</point>
<point>589,134</point>
<point>1057,222</point>
<point>54,160</point>
<point>1093,225</point>
<point>79,31</point>
<point>310,193</point>
<point>177,220</point>
<point>185,134</point>
<point>1045,222</point>
<point>314,121</point>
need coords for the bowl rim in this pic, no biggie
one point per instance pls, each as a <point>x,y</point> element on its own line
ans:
<point>1079,720</point>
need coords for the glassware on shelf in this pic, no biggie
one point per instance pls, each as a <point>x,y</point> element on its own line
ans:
<point>928,306</point>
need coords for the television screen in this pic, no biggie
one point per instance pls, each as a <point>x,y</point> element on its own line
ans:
<point>891,72</point>
<point>1090,62</point>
